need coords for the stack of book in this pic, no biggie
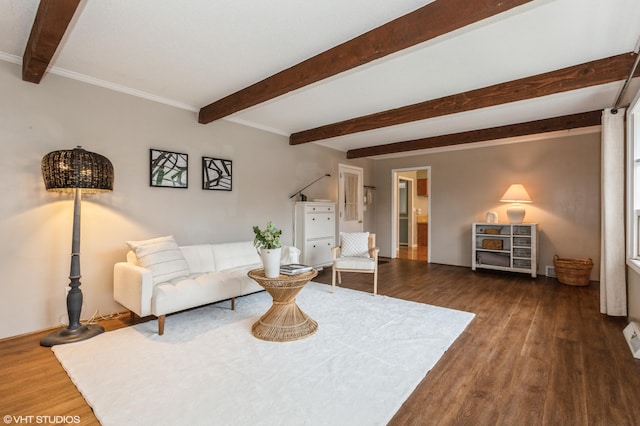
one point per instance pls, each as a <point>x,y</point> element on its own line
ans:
<point>294,269</point>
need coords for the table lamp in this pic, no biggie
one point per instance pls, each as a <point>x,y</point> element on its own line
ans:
<point>75,171</point>
<point>516,194</point>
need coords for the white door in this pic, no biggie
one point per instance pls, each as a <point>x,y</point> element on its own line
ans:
<point>350,199</point>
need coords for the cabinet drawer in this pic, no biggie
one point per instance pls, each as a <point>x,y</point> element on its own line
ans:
<point>521,230</point>
<point>522,241</point>
<point>522,263</point>
<point>320,209</point>
<point>318,252</point>
<point>522,252</point>
<point>423,234</point>
<point>320,225</point>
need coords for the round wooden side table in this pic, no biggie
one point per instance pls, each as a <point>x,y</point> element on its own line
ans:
<point>284,321</point>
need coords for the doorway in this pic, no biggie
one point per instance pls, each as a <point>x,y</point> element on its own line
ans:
<point>410,213</point>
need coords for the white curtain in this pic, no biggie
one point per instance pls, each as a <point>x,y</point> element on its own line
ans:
<point>350,196</point>
<point>613,286</point>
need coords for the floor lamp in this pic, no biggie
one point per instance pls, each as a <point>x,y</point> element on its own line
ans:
<point>75,171</point>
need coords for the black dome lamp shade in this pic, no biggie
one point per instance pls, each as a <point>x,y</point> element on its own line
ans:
<point>75,171</point>
<point>64,171</point>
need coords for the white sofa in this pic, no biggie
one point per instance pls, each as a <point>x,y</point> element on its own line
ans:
<point>215,272</point>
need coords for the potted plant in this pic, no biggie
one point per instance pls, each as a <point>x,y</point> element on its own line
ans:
<point>267,242</point>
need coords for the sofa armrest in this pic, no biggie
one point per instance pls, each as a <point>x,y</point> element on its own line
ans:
<point>133,287</point>
<point>289,255</point>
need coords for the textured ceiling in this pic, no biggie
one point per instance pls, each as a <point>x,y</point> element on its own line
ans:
<point>189,54</point>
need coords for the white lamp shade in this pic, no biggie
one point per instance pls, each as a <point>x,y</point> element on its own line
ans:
<point>516,194</point>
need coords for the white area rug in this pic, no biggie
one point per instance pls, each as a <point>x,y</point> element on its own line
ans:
<point>366,358</point>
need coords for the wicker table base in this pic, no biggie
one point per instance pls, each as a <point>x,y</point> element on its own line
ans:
<point>284,321</point>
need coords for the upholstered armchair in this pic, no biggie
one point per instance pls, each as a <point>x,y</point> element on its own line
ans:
<point>357,252</point>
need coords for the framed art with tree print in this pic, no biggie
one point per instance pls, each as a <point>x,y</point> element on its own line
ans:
<point>216,174</point>
<point>169,169</point>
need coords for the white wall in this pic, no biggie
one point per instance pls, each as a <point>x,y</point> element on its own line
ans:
<point>561,174</point>
<point>35,226</point>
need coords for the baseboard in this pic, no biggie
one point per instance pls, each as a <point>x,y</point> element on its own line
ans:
<point>50,329</point>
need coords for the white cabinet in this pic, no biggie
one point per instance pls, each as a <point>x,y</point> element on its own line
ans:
<point>505,247</point>
<point>314,232</point>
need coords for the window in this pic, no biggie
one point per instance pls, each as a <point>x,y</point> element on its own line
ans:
<point>351,196</point>
<point>633,184</point>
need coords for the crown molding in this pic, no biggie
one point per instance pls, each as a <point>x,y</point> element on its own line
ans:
<point>105,84</point>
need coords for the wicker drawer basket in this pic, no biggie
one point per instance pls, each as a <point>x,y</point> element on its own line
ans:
<point>492,244</point>
<point>573,271</point>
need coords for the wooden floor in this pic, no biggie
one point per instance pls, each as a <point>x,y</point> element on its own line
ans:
<point>537,353</point>
<point>413,253</point>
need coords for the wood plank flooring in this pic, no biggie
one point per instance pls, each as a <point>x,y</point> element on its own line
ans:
<point>537,353</point>
<point>413,253</point>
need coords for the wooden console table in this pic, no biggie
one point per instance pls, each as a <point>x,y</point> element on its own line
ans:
<point>284,321</point>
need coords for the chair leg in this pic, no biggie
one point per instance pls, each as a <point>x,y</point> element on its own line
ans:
<point>233,303</point>
<point>339,277</point>
<point>161,324</point>
<point>333,280</point>
<point>375,281</point>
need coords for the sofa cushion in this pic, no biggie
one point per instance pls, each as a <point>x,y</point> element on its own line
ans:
<point>162,257</point>
<point>199,257</point>
<point>185,293</point>
<point>354,244</point>
<point>231,255</point>
<point>361,263</point>
<point>189,292</point>
<point>238,278</point>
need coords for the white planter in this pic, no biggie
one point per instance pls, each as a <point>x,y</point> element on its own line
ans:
<point>271,261</point>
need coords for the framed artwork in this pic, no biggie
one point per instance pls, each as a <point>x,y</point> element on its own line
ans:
<point>216,174</point>
<point>169,169</point>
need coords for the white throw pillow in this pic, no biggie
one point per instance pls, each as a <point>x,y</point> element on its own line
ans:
<point>355,244</point>
<point>162,257</point>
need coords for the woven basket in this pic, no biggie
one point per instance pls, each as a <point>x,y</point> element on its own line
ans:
<point>492,244</point>
<point>573,271</point>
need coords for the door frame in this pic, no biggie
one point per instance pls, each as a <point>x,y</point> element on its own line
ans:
<point>395,177</point>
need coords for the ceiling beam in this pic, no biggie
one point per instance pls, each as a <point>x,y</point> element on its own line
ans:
<point>567,122</point>
<point>602,71</point>
<point>430,21</point>
<point>51,22</point>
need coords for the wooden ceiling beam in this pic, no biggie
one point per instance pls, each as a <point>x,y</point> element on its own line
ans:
<point>567,122</point>
<point>602,71</point>
<point>430,21</point>
<point>51,22</point>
